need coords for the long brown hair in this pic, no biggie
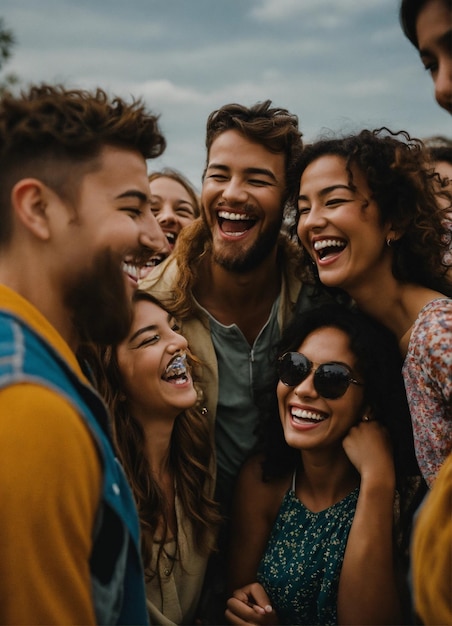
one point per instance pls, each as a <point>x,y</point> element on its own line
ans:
<point>191,458</point>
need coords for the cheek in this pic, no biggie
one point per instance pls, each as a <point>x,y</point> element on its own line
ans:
<point>185,221</point>
<point>301,231</point>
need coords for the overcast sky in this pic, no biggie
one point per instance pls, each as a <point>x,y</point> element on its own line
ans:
<point>339,65</point>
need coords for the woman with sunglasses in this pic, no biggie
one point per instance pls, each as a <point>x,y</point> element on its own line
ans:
<point>371,225</point>
<point>313,531</point>
<point>163,441</point>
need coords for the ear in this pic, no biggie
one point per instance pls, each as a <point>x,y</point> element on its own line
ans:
<point>368,414</point>
<point>393,234</point>
<point>29,199</point>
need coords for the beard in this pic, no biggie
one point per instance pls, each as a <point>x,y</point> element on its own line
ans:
<point>101,307</point>
<point>242,262</point>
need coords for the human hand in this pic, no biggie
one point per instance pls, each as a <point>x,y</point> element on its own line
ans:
<point>250,605</point>
<point>368,447</point>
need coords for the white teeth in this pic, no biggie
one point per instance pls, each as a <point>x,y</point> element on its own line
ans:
<point>307,415</point>
<point>328,243</point>
<point>235,217</point>
<point>132,270</point>
<point>171,237</point>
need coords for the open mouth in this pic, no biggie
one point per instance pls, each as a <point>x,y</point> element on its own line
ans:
<point>329,247</point>
<point>302,416</point>
<point>235,224</point>
<point>171,237</point>
<point>142,268</point>
<point>176,371</point>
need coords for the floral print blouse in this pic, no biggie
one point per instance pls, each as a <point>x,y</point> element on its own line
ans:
<point>427,372</point>
<point>302,562</point>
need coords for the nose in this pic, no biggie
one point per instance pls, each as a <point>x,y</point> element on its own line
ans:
<point>152,236</point>
<point>178,343</point>
<point>443,84</point>
<point>234,191</point>
<point>166,215</point>
<point>310,221</point>
<point>306,389</point>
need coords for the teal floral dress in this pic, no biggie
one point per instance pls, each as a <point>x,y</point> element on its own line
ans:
<point>303,558</point>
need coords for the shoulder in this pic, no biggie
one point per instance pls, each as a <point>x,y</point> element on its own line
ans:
<point>437,312</point>
<point>432,330</point>
<point>260,495</point>
<point>42,428</point>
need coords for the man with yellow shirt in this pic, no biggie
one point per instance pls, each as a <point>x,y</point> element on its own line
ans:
<point>75,216</point>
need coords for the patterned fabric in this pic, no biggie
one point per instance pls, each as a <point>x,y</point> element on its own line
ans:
<point>427,372</point>
<point>303,559</point>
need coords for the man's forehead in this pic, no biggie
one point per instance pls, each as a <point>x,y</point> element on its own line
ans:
<point>232,148</point>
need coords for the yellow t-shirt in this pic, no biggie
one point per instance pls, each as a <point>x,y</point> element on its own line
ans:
<point>50,487</point>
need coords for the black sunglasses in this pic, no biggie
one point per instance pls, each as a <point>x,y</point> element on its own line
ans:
<point>331,380</point>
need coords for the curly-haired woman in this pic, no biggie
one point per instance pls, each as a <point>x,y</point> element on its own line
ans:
<point>369,219</point>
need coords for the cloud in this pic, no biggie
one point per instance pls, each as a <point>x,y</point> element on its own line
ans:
<point>335,63</point>
<point>327,12</point>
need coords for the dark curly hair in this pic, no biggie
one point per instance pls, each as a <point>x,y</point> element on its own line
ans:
<point>274,128</point>
<point>56,135</point>
<point>379,364</point>
<point>402,181</point>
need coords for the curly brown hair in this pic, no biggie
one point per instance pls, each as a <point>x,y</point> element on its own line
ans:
<point>191,457</point>
<point>56,135</point>
<point>274,128</point>
<point>402,181</point>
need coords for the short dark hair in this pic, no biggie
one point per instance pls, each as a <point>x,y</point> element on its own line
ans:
<point>409,11</point>
<point>56,135</point>
<point>274,128</point>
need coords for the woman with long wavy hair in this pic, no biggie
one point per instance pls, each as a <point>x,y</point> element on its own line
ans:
<point>164,443</point>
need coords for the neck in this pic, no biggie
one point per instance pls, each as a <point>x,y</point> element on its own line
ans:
<point>327,477</point>
<point>157,436</point>
<point>395,305</point>
<point>239,289</point>
<point>36,287</point>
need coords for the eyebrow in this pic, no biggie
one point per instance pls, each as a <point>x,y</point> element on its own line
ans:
<point>261,171</point>
<point>326,191</point>
<point>134,193</point>
<point>147,329</point>
<point>443,41</point>
<point>155,197</point>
